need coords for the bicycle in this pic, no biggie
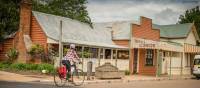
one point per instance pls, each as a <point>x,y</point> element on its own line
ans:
<point>77,76</point>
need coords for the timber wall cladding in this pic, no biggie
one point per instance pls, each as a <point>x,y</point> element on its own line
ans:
<point>5,47</point>
<point>37,35</point>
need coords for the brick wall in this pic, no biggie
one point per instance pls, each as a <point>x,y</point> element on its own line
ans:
<point>144,30</point>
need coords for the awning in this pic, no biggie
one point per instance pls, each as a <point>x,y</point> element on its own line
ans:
<point>169,46</point>
<point>188,48</point>
<point>150,44</point>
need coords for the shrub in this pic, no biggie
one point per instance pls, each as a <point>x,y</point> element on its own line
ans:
<point>12,54</point>
<point>127,72</point>
<point>18,66</point>
<point>31,67</point>
<point>28,67</point>
<point>48,67</point>
<point>4,65</point>
<point>36,49</point>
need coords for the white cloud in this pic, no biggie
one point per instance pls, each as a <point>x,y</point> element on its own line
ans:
<point>161,11</point>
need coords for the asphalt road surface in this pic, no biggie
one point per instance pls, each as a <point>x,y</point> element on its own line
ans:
<point>136,84</point>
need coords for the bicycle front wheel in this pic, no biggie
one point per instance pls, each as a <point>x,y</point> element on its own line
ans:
<point>58,79</point>
<point>78,77</point>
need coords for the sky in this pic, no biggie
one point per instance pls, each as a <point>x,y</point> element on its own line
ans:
<point>161,12</point>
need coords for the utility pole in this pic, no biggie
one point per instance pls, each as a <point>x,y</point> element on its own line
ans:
<point>60,44</point>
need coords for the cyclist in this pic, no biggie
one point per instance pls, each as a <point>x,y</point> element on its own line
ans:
<point>70,58</point>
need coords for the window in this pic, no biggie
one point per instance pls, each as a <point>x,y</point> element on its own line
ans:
<point>123,54</point>
<point>86,52</point>
<point>94,52</point>
<point>79,50</point>
<point>107,53</point>
<point>175,54</point>
<point>197,61</point>
<point>149,57</point>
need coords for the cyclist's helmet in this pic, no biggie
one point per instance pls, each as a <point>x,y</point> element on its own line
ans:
<point>72,46</point>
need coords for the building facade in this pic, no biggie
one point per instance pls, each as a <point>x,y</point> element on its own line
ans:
<point>137,46</point>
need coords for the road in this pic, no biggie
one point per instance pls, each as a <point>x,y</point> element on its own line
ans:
<point>136,84</point>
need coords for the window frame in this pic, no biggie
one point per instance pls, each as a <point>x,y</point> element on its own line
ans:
<point>150,54</point>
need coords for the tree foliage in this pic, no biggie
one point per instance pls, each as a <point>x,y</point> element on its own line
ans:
<point>74,9</point>
<point>191,15</point>
<point>9,17</point>
<point>9,12</point>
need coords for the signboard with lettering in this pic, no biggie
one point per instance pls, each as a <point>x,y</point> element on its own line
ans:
<point>143,43</point>
<point>150,44</point>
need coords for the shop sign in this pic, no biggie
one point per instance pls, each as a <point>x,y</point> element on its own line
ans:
<point>143,43</point>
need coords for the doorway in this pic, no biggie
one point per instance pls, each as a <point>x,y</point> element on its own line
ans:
<point>164,62</point>
<point>135,61</point>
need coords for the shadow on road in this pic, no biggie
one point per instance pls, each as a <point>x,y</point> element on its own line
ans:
<point>6,84</point>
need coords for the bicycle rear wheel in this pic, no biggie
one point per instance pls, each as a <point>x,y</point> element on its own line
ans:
<point>78,77</point>
<point>58,79</point>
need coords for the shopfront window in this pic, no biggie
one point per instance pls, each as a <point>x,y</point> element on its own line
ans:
<point>149,57</point>
<point>123,54</point>
<point>107,53</point>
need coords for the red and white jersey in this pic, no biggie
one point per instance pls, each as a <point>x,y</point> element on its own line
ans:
<point>71,56</point>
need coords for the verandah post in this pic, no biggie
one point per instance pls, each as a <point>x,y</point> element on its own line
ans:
<point>170,55</point>
<point>82,56</point>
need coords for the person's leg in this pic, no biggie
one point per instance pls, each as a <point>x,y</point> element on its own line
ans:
<point>68,66</point>
<point>64,62</point>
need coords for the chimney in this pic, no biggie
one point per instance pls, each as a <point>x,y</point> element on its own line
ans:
<point>25,16</point>
<point>24,29</point>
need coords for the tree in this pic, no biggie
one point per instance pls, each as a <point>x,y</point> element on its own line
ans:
<point>9,12</point>
<point>74,9</point>
<point>9,17</point>
<point>191,15</point>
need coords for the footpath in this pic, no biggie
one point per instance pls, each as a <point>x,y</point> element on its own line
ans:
<point>13,77</point>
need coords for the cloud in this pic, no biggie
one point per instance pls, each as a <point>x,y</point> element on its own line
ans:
<point>161,11</point>
<point>167,16</point>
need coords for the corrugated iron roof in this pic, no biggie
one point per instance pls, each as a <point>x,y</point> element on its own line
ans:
<point>174,30</point>
<point>74,31</point>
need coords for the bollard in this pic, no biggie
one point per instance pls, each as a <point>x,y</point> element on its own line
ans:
<point>89,70</point>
